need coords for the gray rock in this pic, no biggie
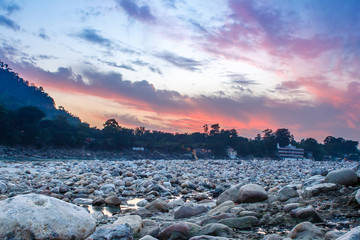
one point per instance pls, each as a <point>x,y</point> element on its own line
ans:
<point>207,237</point>
<point>287,192</point>
<point>82,201</point>
<point>189,210</point>
<point>272,237</point>
<point>42,217</point>
<point>250,193</point>
<point>112,232</point>
<point>215,229</point>
<point>306,231</point>
<point>319,171</point>
<point>134,221</point>
<point>158,205</point>
<point>113,200</point>
<point>231,194</point>
<point>177,231</point>
<point>148,237</point>
<point>241,222</point>
<point>317,179</point>
<point>217,218</point>
<point>318,188</point>
<point>107,188</point>
<point>357,196</point>
<point>344,176</point>
<point>3,187</point>
<point>222,208</point>
<point>306,213</point>
<point>354,234</point>
<point>332,235</point>
<point>291,206</point>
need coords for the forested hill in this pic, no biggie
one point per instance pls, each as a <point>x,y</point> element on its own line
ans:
<point>16,93</point>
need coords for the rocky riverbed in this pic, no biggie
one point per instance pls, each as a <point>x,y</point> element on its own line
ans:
<point>179,199</point>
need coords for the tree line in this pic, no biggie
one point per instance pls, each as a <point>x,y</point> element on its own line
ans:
<point>28,126</point>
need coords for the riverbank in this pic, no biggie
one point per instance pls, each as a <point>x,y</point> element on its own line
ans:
<point>206,194</point>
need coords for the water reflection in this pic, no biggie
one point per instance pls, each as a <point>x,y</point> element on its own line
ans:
<point>109,211</point>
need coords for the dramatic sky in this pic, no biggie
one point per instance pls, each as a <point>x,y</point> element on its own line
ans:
<point>174,65</point>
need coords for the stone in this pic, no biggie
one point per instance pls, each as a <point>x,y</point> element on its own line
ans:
<point>272,237</point>
<point>3,187</point>
<point>108,188</point>
<point>35,216</point>
<point>357,196</point>
<point>158,205</point>
<point>231,194</point>
<point>241,222</point>
<point>287,192</point>
<point>354,234</point>
<point>250,193</point>
<point>98,201</point>
<point>134,221</point>
<point>207,237</point>
<point>319,171</point>
<point>317,179</point>
<point>332,235</point>
<point>113,200</point>
<point>82,201</point>
<point>217,218</point>
<point>188,210</point>
<point>142,203</point>
<point>306,213</point>
<point>177,231</point>
<point>142,212</point>
<point>112,232</point>
<point>344,176</point>
<point>215,229</point>
<point>291,206</point>
<point>222,208</point>
<point>148,237</point>
<point>306,231</point>
<point>318,188</point>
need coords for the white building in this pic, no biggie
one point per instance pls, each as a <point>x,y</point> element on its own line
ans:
<point>290,152</point>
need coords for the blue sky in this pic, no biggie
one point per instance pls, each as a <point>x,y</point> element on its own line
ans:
<point>174,65</point>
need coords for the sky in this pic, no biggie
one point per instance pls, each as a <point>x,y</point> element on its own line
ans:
<point>175,65</point>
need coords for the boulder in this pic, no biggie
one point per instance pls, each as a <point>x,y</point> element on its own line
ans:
<point>112,200</point>
<point>215,229</point>
<point>177,231</point>
<point>306,213</point>
<point>158,205</point>
<point>134,221</point>
<point>241,222</point>
<point>222,208</point>
<point>291,206</point>
<point>306,231</point>
<point>82,201</point>
<point>231,194</point>
<point>3,187</point>
<point>354,234</point>
<point>250,193</point>
<point>107,188</point>
<point>357,196</point>
<point>188,210</point>
<point>112,232</point>
<point>217,218</point>
<point>35,216</point>
<point>148,237</point>
<point>287,192</point>
<point>318,188</point>
<point>207,237</point>
<point>344,176</point>
<point>272,237</point>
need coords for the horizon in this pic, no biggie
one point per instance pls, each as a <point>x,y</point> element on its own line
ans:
<point>175,65</point>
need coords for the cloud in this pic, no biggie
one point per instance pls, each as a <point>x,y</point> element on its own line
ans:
<point>6,22</point>
<point>155,70</point>
<point>181,62</point>
<point>42,34</point>
<point>141,13</point>
<point>113,64</point>
<point>241,79</point>
<point>140,63</point>
<point>92,36</point>
<point>9,7</point>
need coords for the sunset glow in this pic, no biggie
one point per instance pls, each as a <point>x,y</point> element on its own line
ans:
<point>174,65</point>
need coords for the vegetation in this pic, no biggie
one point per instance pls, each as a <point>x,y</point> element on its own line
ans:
<point>34,121</point>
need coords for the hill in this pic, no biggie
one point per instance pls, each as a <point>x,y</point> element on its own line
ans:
<point>15,93</point>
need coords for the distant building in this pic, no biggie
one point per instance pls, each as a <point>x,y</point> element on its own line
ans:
<point>138,149</point>
<point>290,152</point>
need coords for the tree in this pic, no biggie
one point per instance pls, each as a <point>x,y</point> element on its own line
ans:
<point>283,137</point>
<point>215,128</point>
<point>310,145</point>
